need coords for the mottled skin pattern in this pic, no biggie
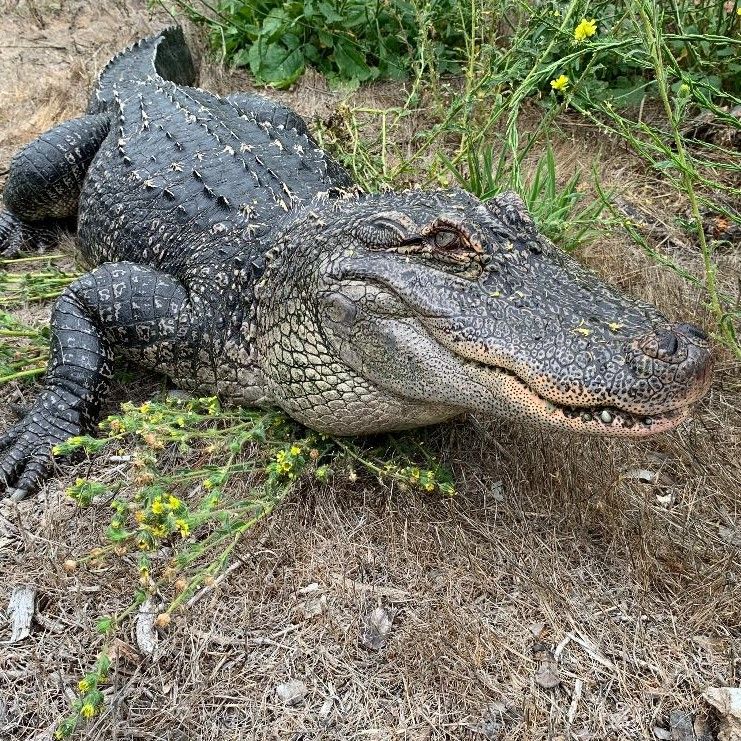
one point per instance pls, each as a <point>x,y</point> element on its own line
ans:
<point>232,254</point>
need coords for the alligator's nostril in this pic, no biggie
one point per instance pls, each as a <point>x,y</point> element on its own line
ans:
<point>690,330</point>
<point>667,342</point>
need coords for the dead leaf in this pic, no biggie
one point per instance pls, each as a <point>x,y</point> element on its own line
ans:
<point>20,609</point>
<point>497,491</point>
<point>711,644</point>
<point>390,594</point>
<point>118,650</point>
<point>546,674</point>
<point>681,726</point>
<point>727,704</point>
<point>642,474</point>
<point>703,731</point>
<point>326,709</point>
<point>376,630</point>
<point>661,733</point>
<point>730,535</point>
<point>291,692</point>
<point>537,629</point>
<point>309,588</point>
<point>313,607</point>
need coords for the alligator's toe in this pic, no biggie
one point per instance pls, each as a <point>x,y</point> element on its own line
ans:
<point>27,459</point>
<point>34,474</point>
<point>17,236</point>
<point>25,466</point>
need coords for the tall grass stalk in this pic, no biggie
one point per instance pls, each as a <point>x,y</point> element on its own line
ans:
<point>649,17</point>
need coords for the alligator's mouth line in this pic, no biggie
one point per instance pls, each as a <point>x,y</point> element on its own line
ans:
<point>597,419</point>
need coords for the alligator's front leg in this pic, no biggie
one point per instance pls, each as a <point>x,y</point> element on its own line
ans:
<point>45,181</point>
<point>117,305</point>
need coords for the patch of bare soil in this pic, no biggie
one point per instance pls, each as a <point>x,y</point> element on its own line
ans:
<point>574,589</point>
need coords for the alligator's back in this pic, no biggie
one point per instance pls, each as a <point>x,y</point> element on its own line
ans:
<point>186,178</point>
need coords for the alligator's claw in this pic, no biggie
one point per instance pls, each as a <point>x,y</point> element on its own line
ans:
<point>18,236</point>
<point>26,459</point>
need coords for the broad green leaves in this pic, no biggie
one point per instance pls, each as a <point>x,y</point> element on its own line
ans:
<point>349,41</point>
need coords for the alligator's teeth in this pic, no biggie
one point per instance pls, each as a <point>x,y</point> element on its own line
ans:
<point>606,417</point>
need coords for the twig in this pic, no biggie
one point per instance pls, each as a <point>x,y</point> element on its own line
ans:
<point>578,685</point>
<point>592,650</point>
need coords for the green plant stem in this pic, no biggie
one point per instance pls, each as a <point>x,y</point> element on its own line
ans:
<point>688,174</point>
<point>23,374</point>
<point>32,258</point>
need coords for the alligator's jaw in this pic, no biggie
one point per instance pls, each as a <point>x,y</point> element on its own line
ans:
<point>603,420</point>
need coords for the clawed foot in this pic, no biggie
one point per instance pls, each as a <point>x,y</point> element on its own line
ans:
<point>18,236</point>
<point>26,449</point>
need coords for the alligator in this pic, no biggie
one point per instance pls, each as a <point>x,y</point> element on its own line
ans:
<point>230,253</point>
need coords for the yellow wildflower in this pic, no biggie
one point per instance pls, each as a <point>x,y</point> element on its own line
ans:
<point>295,450</point>
<point>183,527</point>
<point>208,484</point>
<point>173,502</point>
<point>84,685</point>
<point>157,507</point>
<point>560,83</point>
<point>139,516</point>
<point>87,710</point>
<point>159,531</point>
<point>585,29</point>
<point>144,408</point>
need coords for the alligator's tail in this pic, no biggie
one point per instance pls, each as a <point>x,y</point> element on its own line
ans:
<point>165,55</point>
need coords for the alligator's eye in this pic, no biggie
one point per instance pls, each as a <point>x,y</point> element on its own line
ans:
<point>445,239</point>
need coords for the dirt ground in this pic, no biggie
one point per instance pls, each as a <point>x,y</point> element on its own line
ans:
<point>552,540</point>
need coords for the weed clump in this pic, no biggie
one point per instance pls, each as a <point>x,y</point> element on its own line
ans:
<point>179,525</point>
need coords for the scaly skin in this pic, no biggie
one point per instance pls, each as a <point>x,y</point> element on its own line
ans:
<point>232,254</point>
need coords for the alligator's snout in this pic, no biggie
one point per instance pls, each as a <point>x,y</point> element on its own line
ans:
<point>672,367</point>
<point>674,344</point>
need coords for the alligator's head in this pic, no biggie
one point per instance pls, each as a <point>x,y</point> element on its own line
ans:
<point>402,309</point>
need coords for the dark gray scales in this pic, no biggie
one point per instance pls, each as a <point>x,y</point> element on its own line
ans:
<point>153,167</point>
<point>228,251</point>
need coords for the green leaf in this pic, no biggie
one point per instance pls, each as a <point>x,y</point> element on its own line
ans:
<point>274,24</point>
<point>351,63</point>
<point>274,64</point>
<point>330,13</point>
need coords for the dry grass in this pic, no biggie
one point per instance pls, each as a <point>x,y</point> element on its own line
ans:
<point>550,537</point>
